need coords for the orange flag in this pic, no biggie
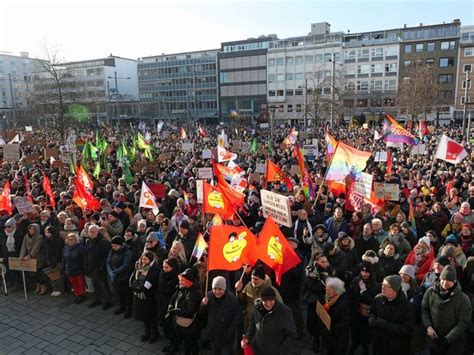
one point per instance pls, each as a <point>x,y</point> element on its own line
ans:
<point>274,250</point>
<point>230,247</point>
<point>215,201</point>
<point>84,179</point>
<point>48,190</point>
<point>83,197</point>
<point>5,200</point>
<point>235,198</point>
<point>275,173</point>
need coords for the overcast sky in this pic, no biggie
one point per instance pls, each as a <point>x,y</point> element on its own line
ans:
<point>95,28</point>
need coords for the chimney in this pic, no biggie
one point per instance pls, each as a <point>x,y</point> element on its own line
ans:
<point>404,25</point>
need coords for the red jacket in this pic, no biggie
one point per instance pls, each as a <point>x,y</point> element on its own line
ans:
<point>425,266</point>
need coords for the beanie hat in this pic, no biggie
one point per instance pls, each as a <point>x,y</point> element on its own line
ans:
<point>336,284</point>
<point>443,260</point>
<point>118,240</point>
<point>268,293</point>
<point>219,282</point>
<point>395,282</point>
<point>448,274</point>
<point>451,239</point>
<point>366,266</point>
<point>172,262</point>
<point>327,247</point>
<point>189,275</point>
<point>342,235</point>
<point>259,272</point>
<point>152,237</point>
<point>184,224</point>
<point>11,222</point>
<point>425,240</point>
<point>466,225</point>
<point>405,225</point>
<point>407,270</point>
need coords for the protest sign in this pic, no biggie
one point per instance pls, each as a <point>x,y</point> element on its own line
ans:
<point>199,191</point>
<point>323,315</point>
<point>418,149</point>
<point>187,147</point>
<point>24,205</point>
<point>363,186</point>
<point>22,265</point>
<point>205,173</point>
<point>261,168</point>
<point>387,191</point>
<point>380,156</point>
<point>11,152</point>
<point>310,152</point>
<point>51,152</point>
<point>206,154</point>
<point>277,206</point>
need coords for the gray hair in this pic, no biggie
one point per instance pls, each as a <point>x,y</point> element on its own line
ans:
<point>75,236</point>
<point>336,284</point>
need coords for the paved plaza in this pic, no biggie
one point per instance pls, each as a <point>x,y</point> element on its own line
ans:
<point>55,325</point>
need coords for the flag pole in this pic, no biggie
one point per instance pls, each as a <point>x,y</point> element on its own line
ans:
<point>431,170</point>
<point>207,282</point>
<point>325,174</point>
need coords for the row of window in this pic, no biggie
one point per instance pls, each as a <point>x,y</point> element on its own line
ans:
<point>367,53</point>
<point>372,69</point>
<point>430,47</point>
<point>306,59</point>
<point>243,76</point>
<point>435,32</point>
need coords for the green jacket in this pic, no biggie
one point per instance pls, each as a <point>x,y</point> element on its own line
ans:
<point>450,317</point>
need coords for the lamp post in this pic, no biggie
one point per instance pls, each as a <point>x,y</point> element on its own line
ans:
<point>464,118</point>
<point>272,115</point>
<point>116,92</point>
<point>333,85</point>
<point>305,122</point>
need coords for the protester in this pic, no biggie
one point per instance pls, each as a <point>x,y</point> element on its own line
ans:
<point>74,266</point>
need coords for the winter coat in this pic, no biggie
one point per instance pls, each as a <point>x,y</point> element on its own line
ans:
<point>189,241</point>
<point>115,228</point>
<point>269,331</point>
<point>119,264</point>
<point>394,335</point>
<point>223,317</point>
<point>449,315</point>
<point>136,247</point>
<point>335,341</point>
<point>333,232</point>
<point>4,253</point>
<point>352,259</point>
<point>390,264</point>
<point>459,256</point>
<point>74,259</point>
<point>167,283</point>
<point>338,262</point>
<point>54,248</point>
<point>438,220</point>
<point>97,253</point>
<point>314,288</point>
<point>33,246</point>
<point>144,294</point>
<point>402,244</point>
<point>423,267</point>
<point>363,245</point>
<point>292,282</point>
<point>185,303</point>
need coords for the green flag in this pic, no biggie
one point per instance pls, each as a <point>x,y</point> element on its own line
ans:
<point>127,174</point>
<point>253,146</point>
<point>97,170</point>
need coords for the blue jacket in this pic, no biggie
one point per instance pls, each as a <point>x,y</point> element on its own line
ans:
<point>119,264</point>
<point>333,234</point>
<point>74,260</point>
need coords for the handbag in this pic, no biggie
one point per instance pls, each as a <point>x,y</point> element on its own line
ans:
<point>364,309</point>
<point>183,321</point>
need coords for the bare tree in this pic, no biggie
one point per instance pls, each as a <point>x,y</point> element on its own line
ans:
<point>417,91</point>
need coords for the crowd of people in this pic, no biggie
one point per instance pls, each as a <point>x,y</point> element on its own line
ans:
<point>390,284</point>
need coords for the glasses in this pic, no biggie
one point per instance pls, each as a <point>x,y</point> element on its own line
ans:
<point>386,286</point>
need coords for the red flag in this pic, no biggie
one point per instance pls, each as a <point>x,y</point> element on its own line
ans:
<point>202,132</point>
<point>86,181</point>
<point>450,150</point>
<point>27,186</point>
<point>235,198</point>
<point>274,250</point>
<point>83,197</point>
<point>48,190</point>
<point>230,247</point>
<point>5,201</point>
<point>215,201</point>
<point>275,173</point>
<point>389,162</point>
<point>182,133</point>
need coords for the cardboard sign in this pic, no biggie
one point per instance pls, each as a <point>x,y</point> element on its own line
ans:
<point>323,315</point>
<point>277,206</point>
<point>418,149</point>
<point>187,147</point>
<point>51,152</point>
<point>22,265</point>
<point>159,190</point>
<point>236,145</point>
<point>387,191</point>
<point>24,205</point>
<point>33,158</point>
<point>294,170</point>
<point>199,191</point>
<point>363,186</point>
<point>206,154</point>
<point>205,173</point>
<point>261,168</point>
<point>380,156</point>
<point>254,177</point>
<point>244,147</point>
<point>11,152</point>
<point>151,166</point>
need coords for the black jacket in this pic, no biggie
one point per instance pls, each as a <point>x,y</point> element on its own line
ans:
<point>74,260</point>
<point>4,253</point>
<point>119,264</point>
<point>336,340</point>
<point>145,295</point>
<point>168,281</point>
<point>362,245</point>
<point>54,249</point>
<point>292,282</point>
<point>268,332</point>
<point>189,241</point>
<point>393,323</point>
<point>185,303</point>
<point>97,251</point>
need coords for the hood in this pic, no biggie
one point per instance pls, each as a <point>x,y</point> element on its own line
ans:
<point>36,227</point>
<point>351,244</point>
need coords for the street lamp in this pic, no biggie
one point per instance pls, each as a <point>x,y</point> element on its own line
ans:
<point>468,83</point>
<point>333,84</point>
<point>272,115</point>
<point>116,92</point>
<point>305,122</point>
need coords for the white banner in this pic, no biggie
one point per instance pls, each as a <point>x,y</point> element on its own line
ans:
<point>261,168</point>
<point>277,206</point>
<point>363,186</point>
<point>199,191</point>
<point>380,156</point>
<point>205,173</point>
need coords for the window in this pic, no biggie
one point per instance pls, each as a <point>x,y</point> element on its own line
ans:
<point>318,58</point>
<point>271,93</point>
<point>299,59</point>
<point>448,45</point>
<point>280,78</point>
<point>468,84</point>
<point>419,47</point>
<point>280,61</point>
<point>406,63</point>
<point>351,54</point>
<point>445,78</point>
<point>377,52</point>
<point>271,78</point>
<point>271,62</point>
<point>429,62</point>
<point>289,76</point>
<point>445,94</point>
<point>391,68</point>
<point>281,108</point>
<point>464,101</point>
<point>363,69</point>
<point>298,92</point>
<point>391,51</point>
<point>308,59</point>
<point>350,70</point>
<point>446,62</point>
<point>289,60</point>
<point>299,76</point>
<point>290,92</point>
<point>298,107</point>
<point>390,84</point>
<point>362,85</point>
<point>467,68</point>
<point>289,108</point>
<point>408,48</point>
<point>327,57</point>
<point>350,86</point>
<point>376,68</point>
<point>376,85</point>
<point>430,47</point>
<point>326,91</point>
<point>469,52</point>
<point>363,53</point>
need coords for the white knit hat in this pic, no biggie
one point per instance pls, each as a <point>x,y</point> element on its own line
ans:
<point>408,270</point>
<point>425,240</point>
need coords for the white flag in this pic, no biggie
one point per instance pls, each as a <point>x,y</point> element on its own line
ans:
<point>147,199</point>
<point>15,139</point>
<point>450,150</point>
<point>159,126</point>
<point>377,135</point>
<point>224,155</point>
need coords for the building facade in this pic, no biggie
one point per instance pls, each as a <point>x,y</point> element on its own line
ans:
<point>242,69</point>
<point>181,88</point>
<point>16,86</point>
<point>103,89</point>
<point>300,70</point>
<point>464,89</point>
<point>371,73</point>
<point>435,46</point>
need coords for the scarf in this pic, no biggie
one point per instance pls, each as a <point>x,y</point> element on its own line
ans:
<point>308,225</point>
<point>405,288</point>
<point>10,241</point>
<point>329,302</point>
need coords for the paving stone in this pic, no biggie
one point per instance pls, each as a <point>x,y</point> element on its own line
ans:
<point>52,349</point>
<point>106,349</point>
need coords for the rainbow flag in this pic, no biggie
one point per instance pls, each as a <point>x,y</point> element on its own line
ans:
<point>291,137</point>
<point>330,145</point>
<point>395,133</point>
<point>346,160</point>
<point>199,247</point>
<point>186,198</point>
<point>411,217</point>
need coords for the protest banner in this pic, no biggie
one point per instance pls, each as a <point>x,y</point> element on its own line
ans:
<point>387,191</point>
<point>363,186</point>
<point>261,168</point>
<point>187,147</point>
<point>205,173</point>
<point>310,151</point>
<point>418,149</point>
<point>199,191</point>
<point>24,205</point>
<point>151,166</point>
<point>11,152</point>
<point>206,154</point>
<point>277,206</point>
<point>380,156</point>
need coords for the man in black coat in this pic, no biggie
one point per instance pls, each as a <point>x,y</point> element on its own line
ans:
<point>187,237</point>
<point>11,239</point>
<point>97,251</point>
<point>392,318</point>
<point>223,316</point>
